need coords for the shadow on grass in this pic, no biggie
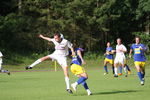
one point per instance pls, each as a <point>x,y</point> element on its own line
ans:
<point>116,92</point>
<point>107,93</point>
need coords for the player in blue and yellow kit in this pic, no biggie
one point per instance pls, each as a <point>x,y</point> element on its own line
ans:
<point>139,58</point>
<point>109,58</point>
<point>79,71</point>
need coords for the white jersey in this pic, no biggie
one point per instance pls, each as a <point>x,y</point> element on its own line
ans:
<point>119,50</point>
<point>1,55</point>
<point>62,47</point>
<point>120,56</point>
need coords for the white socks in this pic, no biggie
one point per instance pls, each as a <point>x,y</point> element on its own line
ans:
<point>36,62</point>
<point>67,82</point>
<point>116,73</point>
<point>125,70</point>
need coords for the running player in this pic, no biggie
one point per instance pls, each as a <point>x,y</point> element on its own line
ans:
<point>109,58</point>
<point>1,69</point>
<point>76,69</point>
<point>139,58</point>
<point>60,53</point>
<point>120,57</point>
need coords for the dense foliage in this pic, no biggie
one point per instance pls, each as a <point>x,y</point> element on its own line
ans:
<point>90,22</point>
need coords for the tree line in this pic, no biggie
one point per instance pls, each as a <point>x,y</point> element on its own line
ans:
<point>88,22</point>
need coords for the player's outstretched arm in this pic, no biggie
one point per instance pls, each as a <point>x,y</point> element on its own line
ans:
<point>45,38</point>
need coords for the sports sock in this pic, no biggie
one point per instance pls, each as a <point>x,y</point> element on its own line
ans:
<point>113,70</point>
<point>120,69</point>
<point>35,63</point>
<point>127,68</point>
<point>116,73</point>
<point>81,79</point>
<point>140,76</point>
<point>67,82</point>
<point>105,68</point>
<point>85,85</point>
<point>4,71</point>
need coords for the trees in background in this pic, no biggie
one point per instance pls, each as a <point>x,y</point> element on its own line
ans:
<point>88,22</point>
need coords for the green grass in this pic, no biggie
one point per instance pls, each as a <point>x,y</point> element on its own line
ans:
<point>50,85</point>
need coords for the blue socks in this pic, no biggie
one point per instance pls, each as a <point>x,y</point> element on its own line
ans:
<point>127,67</point>
<point>113,70</point>
<point>81,80</point>
<point>141,76</point>
<point>105,68</point>
<point>85,85</point>
<point>120,69</point>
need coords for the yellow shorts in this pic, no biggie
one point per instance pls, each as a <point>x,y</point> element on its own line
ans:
<point>139,63</point>
<point>77,69</point>
<point>111,61</point>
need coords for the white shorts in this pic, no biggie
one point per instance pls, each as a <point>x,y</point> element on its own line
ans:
<point>119,60</point>
<point>61,59</point>
<point>1,63</point>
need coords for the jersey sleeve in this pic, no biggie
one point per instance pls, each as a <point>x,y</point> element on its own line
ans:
<point>144,47</point>
<point>124,48</point>
<point>1,55</point>
<point>69,44</point>
<point>53,40</point>
<point>131,47</point>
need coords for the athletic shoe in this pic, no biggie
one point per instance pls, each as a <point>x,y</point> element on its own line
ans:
<point>119,74</point>
<point>69,91</point>
<point>89,93</point>
<point>142,82</point>
<point>129,72</point>
<point>27,67</point>
<point>115,75</point>
<point>8,72</point>
<point>74,86</point>
<point>105,73</point>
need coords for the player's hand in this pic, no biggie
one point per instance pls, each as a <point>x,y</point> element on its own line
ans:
<point>83,62</point>
<point>107,53</point>
<point>130,56</point>
<point>40,36</point>
<point>141,48</point>
<point>73,54</point>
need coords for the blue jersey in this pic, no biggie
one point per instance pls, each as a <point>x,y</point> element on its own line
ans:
<point>76,59</point>
<point>138,53</point>
<point>110,56</point>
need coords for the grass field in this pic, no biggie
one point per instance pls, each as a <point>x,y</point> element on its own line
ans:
<point>43,83</point>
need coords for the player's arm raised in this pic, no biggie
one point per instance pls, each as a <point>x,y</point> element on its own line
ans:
<point>45,38</point>
<point>80,55</point>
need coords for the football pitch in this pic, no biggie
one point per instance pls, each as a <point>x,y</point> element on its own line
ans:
<point>46,84</point>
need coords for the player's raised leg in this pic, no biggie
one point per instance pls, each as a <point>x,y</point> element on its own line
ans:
<point>37,62</point>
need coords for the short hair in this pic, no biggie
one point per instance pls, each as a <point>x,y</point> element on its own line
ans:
<point>57,34</point>
<point>119,39</point>
<point>138,38</point>
<point>108,42</point>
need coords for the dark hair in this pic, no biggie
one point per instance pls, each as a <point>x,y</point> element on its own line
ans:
<point>138,38</point>
<point>57,34</point>
<point>108,42</point>
<point>119,38</point>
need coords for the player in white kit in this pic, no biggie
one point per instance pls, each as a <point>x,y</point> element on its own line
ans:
<point>1,69</point>
<point>61,51</point>
<point>120,57</point>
